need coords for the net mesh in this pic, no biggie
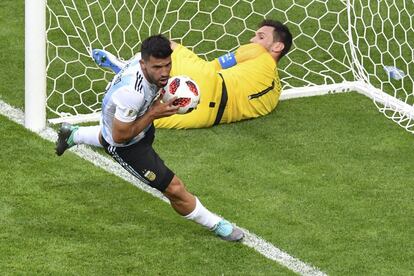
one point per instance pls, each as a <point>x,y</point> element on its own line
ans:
<point>334,41</point>
<point>381,34</point>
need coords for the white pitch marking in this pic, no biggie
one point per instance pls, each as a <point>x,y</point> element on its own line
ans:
<point>251,240</point>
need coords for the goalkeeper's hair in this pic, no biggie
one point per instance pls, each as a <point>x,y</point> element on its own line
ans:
<point>157,46</point>
<point>281,33</point>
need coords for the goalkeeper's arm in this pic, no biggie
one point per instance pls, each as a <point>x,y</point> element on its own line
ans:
<point>243,53</point>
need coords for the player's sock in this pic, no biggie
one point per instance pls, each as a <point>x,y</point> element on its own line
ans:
<point>219,226</point>
<point>202,216</point>
<point>87,135</point>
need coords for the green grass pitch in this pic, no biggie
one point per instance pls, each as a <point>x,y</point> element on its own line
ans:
<point>327,179</point>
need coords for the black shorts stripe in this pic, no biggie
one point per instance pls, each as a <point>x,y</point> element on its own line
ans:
<point>141,161</point>
<point>125,165</point>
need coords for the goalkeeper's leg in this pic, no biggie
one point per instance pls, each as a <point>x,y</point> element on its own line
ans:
<point>107,60</point>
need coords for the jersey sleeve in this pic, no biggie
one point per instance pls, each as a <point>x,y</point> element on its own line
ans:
<point>249,51</point>
<point>243,53</point>
<point>127,105</point>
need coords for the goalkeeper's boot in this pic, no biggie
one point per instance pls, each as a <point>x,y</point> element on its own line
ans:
<point>65,138</point>
<point>227,231</point>
<point>107,60</point>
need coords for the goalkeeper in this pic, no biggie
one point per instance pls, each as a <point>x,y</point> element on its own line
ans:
<point>234,87</point>
<point>237,86</point>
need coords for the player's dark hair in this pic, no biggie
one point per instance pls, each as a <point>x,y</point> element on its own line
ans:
<point>281,33</point>
<point>157,46</point>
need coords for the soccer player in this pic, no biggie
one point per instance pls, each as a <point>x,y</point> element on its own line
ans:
<point>237,86</point>
<point>234,87</point>
<point>126,131</point>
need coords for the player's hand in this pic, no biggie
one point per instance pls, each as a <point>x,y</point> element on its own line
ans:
<point>160,109</point>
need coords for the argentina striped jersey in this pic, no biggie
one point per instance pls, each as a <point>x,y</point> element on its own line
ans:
<point>128,96</point>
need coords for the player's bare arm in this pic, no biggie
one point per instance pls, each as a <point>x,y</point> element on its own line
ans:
<point>123,132</point>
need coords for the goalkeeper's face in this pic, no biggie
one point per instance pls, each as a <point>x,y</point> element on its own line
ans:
<point>264,37</point>
<point>157,70</point>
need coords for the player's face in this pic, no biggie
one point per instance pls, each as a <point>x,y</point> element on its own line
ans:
<point>157,70</point>
<point>264,37</point>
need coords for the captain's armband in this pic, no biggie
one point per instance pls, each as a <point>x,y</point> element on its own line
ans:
<point>227,60</point>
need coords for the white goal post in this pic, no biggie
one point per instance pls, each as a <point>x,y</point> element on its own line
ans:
<point>339,46</point>
<point>35,65</point>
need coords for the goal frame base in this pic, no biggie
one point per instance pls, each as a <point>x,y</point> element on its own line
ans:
<point>360,87</point>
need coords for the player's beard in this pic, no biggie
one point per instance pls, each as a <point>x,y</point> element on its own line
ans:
<point>159,79</point>
<point>160,83</point>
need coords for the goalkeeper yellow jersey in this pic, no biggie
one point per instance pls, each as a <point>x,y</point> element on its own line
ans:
<point>250,79</point>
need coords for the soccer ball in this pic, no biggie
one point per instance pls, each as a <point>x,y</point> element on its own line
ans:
<point>185,89</point>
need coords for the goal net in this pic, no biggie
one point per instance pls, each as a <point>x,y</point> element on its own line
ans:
<point>339,46</point>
